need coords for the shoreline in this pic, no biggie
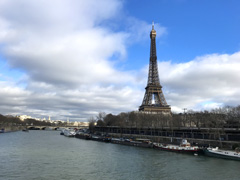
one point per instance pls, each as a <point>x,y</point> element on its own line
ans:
<point>227,145</point>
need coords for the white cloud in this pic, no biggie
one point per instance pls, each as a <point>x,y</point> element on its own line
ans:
<point>66,56</point>
<point>13,99</point>
<point>60,42</point>
<point>212,78</point>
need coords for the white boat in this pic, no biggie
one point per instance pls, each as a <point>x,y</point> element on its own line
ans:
<point>69,132</point>
<point>215,152</point>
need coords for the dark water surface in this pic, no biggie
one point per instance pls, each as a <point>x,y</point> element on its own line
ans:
<point>47,155</point>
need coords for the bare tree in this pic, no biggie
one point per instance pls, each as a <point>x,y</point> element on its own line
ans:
<point>100,118</point>
<point>92,123</point>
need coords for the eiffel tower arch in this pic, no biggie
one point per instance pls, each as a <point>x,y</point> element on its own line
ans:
<point>154,100</point>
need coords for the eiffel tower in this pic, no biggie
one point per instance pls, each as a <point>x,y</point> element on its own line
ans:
<point>154,100</point>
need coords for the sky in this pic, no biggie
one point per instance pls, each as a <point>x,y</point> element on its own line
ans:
<point>71,59</point>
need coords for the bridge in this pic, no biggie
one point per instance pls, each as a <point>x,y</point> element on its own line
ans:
<point>53,127</point>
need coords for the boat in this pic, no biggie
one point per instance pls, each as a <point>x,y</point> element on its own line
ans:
<point>62,132</point>
<point>130,142</point>
<point>82,135</point>
<point>69,132</point>
<point>2,130</point>
<point>216,152</point>
<point>25,130</point>
<point>102,138</point>
<point>184,147</point>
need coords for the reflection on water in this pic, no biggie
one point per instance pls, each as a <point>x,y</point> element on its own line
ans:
<point>47,155</point>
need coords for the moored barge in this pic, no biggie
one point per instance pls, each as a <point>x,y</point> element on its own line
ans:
<point>184,147</point>
<point>129,142</point>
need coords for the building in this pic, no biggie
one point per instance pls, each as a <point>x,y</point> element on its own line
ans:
<point>23,117</point>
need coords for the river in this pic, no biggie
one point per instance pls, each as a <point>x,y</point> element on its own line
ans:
<point>46,155</point>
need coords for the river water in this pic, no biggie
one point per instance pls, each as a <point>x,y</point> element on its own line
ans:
<point>46,155</point>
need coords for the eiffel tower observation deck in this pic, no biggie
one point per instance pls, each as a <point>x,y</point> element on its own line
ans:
<point>154,100</point>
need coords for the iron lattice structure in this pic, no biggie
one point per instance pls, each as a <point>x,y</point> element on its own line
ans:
<point>154,100</point>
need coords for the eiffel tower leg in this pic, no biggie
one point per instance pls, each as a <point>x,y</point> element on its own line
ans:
<point>147,100</point>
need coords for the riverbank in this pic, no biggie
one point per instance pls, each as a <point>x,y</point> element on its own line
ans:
<point>7,128</point>
<point>224,138</point>
<point>228,145</point>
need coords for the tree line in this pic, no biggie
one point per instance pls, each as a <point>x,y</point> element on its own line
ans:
<point>224,117</point>
<point>7,120</point>
<point>15,121</point>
